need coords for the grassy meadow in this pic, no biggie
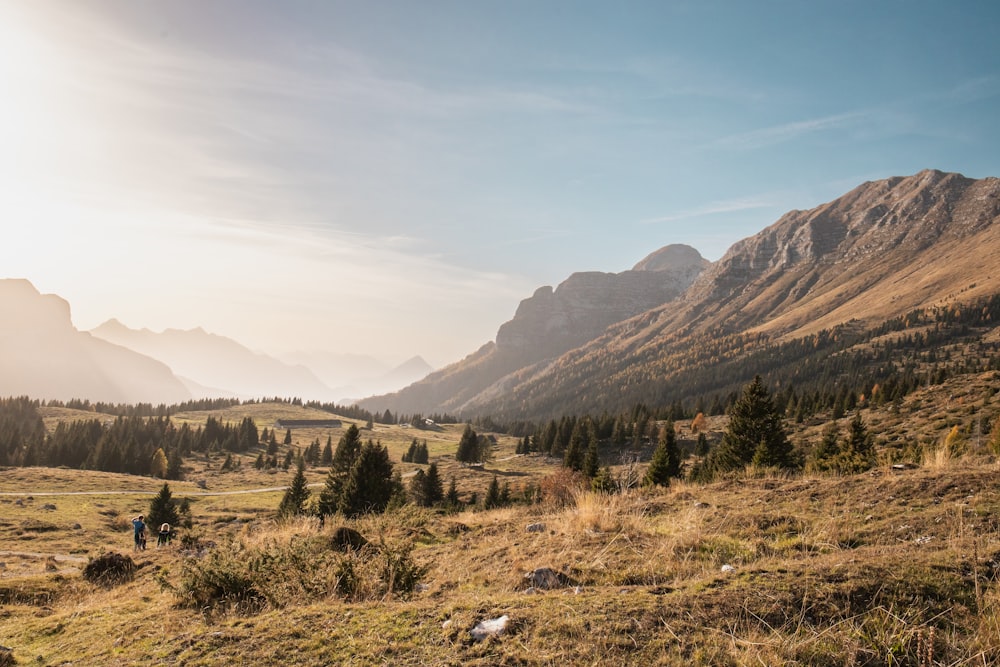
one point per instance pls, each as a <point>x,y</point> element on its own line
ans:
<point>890,567</point>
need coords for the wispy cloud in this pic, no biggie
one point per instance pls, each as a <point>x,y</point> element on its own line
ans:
<point>712,208</point>
<point>778,134</point>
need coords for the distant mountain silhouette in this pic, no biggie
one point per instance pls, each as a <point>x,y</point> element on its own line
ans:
<point>354,376</point>
<point>216,365</point>
<point>42,355</point>
<point>881,251</point>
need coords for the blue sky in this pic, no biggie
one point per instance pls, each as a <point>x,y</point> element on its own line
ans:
<point>393,177</point>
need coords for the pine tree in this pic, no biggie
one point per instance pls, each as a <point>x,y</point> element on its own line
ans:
<point>420,455</point>
<point>433,489</point>
<point>575,452</point>
<point>666,459</point>
<point>163,509</point>
<point>174,469</point>
<point>288,436</point>
<point>348,448</point>
<point>293,503</point>
<point>592,458</point>
<point>327,457</point>
<point>701,447</point>
<point>369,485</point>
<point>418,489</point>
<point>755,433</point>
<point>451,498</point>
<point>468,447</point>
<point>859,449</point>
<point>492,498</point>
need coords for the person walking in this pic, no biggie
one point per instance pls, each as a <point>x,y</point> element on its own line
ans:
<point>139,531</point>
<point>163,537</point>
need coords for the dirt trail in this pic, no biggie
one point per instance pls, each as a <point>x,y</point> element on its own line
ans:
<point>59,558</point>
<point>269,489</point>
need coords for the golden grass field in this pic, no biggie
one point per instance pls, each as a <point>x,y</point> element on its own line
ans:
<point>891,567</point>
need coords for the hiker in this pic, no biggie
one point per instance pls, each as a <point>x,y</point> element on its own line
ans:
<point>163,537</point>
<point>139,529</point>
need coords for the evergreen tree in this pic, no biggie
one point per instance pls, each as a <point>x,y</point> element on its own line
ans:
<point>604,481</point>
<point>348,448</point>
<point>701,447</point>
<point>468,447</point>
<point>420,455</point>
<point>824,454</point>
<point>575,450</point>
<point>433,488</point>
<point>369,485</point>
<point>492,498</point>
<point>293,503</point>
<point>174,469</point>
<point>755,433</point>
<point>451,498</point>
<point>418,489</point>
<point>666,459</point>
<point>162,509</point>
<point>592,458</point>
<point>288,436</point>
<point>859,449</point>
<point>272,444</point>
<point>409,453</point>
<point>327,457</point>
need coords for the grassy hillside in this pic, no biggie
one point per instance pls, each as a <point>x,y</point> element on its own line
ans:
<point>892,567</point>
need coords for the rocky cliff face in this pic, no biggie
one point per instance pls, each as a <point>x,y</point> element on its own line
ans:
<point>585,304</point>
<point>897,241</point>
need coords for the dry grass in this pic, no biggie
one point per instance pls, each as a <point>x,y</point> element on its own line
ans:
<point>892,567</point>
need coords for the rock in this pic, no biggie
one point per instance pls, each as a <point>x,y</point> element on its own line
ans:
<point>345,538</point>
<point>48,506</point>
<point>489,628</point>
<point>728,568</point>
<point>535,528</point>
<point>545,578</point>
<point>202,484</point>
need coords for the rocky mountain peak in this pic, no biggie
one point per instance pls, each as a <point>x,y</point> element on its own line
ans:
<point>551,322</point>
<point>675,257</point>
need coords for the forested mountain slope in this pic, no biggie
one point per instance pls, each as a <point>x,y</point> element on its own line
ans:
<point>828,295</point>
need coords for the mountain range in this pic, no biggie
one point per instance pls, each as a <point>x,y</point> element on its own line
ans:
<point>44,356</point>
<point>801,301</point>
<point>885,249</point>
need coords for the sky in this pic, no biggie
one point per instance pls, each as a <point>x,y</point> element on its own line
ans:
<point>392,178</point>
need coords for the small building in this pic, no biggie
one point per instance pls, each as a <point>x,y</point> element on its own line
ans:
<point>307,423</point>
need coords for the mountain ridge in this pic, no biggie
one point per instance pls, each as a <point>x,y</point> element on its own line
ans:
<point>882,249</point>
<point>44,356</point>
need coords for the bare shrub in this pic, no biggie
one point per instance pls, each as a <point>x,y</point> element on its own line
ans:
<point>109,569</point>
<point>559,488</point>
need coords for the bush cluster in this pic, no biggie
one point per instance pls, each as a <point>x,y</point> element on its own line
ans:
<point>247,578</point>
